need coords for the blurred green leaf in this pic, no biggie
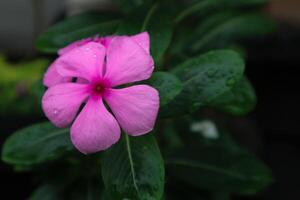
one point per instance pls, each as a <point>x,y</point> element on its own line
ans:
<point>168,85</point>
<point>17,81</point>
<point>146,19</point>
<point>134,169</point>
<point>206,6</point>
<point>129,5</point>
<point>76,28</point>
<point>46,192</point>
<point>36,144</point>
<point>219,168</point>
<point>204,78</point>
<point>89,190</point>
<point>221,29</point>
<point>79,190</point>
<point>238,101</point>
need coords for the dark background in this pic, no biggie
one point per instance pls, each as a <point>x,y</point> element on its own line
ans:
<point>272,66</point>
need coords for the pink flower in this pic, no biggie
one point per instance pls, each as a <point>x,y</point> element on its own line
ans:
<point>99,65</point>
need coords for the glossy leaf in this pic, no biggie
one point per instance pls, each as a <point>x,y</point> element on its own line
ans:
<point>238,101</point>
<point>36,144</point>
<point>168,85</point>
<point>128,5</point>
<point>76,28</point>
<point>204,78</point>
<point>84,190</point>
<point>215,166</point>
<point>134,169</point>
<point>206,6</point>
<point>46,192</point>
<point>221,29</point>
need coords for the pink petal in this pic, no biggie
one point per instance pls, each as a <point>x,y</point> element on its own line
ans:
<point>61,102</point>
<point>52,77</point>
<point>127,61</point>
<point>95,129</point>
<point>73,45</point>
<point>85,61</point>
<point>134,107</point>
<point>105,41</point>
<point>143,40</point>
<point>82,81</point>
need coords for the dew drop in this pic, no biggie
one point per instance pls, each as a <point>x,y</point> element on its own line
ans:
<point>55,112</point>
<point>94,55</point>
<point>87,48</point>
<point>230,81</point>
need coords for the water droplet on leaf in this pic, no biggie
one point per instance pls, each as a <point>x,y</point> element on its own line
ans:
<point>230,82</point>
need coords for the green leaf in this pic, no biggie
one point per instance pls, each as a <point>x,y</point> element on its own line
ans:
<point>36,144</point>
<point>205,6</point>
<point>168,85</point>
<point>76,28</point>
<point>204,78</point>
<point>89,190</point>
<point>129,5</point>
<point>238,101</point>
<point>46,192</point>
<point>221,29</point>
<point>218,167</point>
<point>145,19</point>
<point>134,169</point>
<point>78,190</point>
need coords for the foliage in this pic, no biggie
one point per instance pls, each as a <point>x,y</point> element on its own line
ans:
<point>18,85</point>
<point>196,69</point>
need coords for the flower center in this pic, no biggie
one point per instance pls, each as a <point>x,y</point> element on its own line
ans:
<point>98,88</point>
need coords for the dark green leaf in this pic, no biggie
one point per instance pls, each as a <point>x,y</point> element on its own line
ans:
<point>144,19</point>
<point>46,192</point>
<point>36,144</point>
<point>76,28</point>
<point>218,167</point>
<point>220,195</point>
<point>84,190</point>
<point>168,85</point>
<point>134,169</point>
<point>238,101</point>
<point>78,190</point>
<point>204,78</point>
<point>128,5</point>
<point>205,6</point>
<point>221,29</point>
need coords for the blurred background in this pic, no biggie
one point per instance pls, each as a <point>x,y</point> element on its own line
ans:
<point>273,62</point>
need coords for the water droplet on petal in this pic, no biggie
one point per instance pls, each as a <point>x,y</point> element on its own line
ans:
<point>94,55</point>
<point>55,112</point>
<point>87,48</point>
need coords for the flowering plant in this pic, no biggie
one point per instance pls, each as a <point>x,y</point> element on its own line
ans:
<point>140,91</point>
